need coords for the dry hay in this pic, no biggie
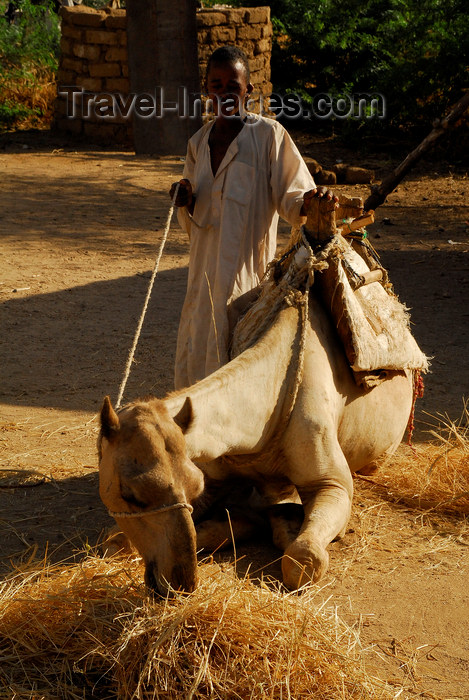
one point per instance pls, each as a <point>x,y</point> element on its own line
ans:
<point>36,92</point>
<point>91,630</point>
<point>431,476</point>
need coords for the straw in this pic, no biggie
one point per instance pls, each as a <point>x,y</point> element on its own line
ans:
<point>91,630</point>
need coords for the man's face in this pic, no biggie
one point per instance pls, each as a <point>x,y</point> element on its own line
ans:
<point>227,87</point>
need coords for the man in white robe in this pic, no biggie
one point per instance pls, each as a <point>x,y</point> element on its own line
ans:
<point>233,233</point>
<point>242,171</point>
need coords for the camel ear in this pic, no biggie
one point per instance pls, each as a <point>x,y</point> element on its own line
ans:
<point>109,420</point>
<point>185,416</point>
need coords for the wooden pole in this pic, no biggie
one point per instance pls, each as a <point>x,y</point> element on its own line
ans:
<point>380,192</point>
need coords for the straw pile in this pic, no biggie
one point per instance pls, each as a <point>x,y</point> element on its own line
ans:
<point>33,94</point>
<point>432,476</point>
<point>90,630</point>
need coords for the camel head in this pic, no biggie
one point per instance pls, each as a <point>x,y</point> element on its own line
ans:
<point>143,469</point>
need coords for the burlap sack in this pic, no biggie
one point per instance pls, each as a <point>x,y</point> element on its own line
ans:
<point>371,322</point>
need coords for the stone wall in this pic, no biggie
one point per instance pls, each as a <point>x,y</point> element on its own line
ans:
<point>93,64</point>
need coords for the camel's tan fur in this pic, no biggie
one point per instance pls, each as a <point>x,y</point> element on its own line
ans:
<point>239,426</point>
<point>335,428</point>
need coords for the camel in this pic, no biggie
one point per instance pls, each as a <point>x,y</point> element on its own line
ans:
<point>163,463</point>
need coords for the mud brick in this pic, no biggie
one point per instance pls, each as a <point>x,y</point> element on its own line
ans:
<point>117,19</point>
<point>248,47</point>
<point>105,70</point>
<point>61,107</point>
<point>74,65</point>
<point>262,46</point>
<point>83,16</point>
<point>121,85</point>
<point>210,18</point>
<point>96,36</point>
<point>70,32</point>
<point>223,35</point>
<point>99,132</point>
<point>66,77</point>
<point>234,16</point>
<point>359,176</point>
<point>91,52</point>
<point>246,32</point>
<point>257,15</point>
<point>116,53</point>
<point>73,126</point>
<point>65,46</point>
<point>257,63</point>
<point>203,35</point>
<point>90,84</point>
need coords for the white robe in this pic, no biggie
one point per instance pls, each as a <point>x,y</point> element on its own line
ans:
<point>233,234</point>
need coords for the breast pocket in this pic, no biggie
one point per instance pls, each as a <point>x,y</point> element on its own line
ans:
<point>239,183</point>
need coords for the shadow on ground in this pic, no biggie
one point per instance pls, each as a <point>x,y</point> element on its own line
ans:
<point>68,349</point>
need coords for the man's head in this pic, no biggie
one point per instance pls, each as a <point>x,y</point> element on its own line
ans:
<point>228,80</point>
<point>229,55</point>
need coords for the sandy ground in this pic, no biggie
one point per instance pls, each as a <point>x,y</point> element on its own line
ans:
<point>79,235</point>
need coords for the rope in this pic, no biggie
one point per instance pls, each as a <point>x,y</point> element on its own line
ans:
<point>144,513</point>
<point>418,389</point>
<point>301,353</point>
<point>301,301</point>
<point>147,299</point>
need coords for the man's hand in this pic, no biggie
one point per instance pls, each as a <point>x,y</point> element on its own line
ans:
<point>320,193</point>
<point>185,197</point>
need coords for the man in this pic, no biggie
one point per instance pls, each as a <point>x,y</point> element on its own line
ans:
<point>242,171</point>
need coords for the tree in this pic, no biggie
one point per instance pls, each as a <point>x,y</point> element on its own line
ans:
<point>413,52</point>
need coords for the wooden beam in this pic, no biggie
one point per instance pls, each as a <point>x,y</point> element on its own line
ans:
<point>380,192</point>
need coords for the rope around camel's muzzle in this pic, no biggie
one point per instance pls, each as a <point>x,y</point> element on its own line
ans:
<point>152,511</point>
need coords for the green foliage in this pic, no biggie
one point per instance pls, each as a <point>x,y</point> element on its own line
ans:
<point>12,113</point>
<point>34,38</point>
<point>414,52</point>
<point>29,50</point>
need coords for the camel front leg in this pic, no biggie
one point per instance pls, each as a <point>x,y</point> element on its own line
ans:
<point>221,533</point>
<point>327,509</point>
<point>115,542</point>
<point>225,515</point>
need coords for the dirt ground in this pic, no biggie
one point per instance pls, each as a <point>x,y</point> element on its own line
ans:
<point>79,234</point>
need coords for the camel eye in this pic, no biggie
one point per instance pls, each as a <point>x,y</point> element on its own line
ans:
<point>131,499</point>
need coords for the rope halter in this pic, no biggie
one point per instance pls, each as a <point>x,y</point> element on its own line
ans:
<point>152,511</point>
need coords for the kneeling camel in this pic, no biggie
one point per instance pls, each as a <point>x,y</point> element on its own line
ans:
<point>162,459</point>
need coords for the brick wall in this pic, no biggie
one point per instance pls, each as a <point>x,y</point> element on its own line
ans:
<point>93,64</point>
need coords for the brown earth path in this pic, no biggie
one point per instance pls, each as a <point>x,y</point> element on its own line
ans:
<point>78,236</point>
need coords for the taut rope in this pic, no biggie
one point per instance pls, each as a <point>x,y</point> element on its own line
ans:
<point>147,299</point>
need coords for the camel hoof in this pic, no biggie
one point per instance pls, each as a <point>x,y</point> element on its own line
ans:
<point>303,563</point>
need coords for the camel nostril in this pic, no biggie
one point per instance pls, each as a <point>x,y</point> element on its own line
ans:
<point>184,579</point>
<point>152,580</point>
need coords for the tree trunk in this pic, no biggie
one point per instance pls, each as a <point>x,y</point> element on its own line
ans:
<point>163,64</point>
